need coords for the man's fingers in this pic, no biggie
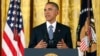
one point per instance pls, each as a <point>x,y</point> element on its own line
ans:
<point>59,47</point>
<point>62,40</point>
<point>59,44</point>
<point>41,41</point>
<point>44,42</point>
<point>44,45</point>
<point>41,44</point>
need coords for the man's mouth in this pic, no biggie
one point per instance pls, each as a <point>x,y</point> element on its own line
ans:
<point>47,16</point>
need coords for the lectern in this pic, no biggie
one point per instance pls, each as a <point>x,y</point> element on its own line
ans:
<point>50,52</point>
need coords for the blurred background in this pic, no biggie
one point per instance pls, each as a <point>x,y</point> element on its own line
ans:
<point>33,15</point>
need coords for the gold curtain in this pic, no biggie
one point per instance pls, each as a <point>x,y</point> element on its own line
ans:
<point>96,10</point>
<point>38,14</point>
<point>69,15</point>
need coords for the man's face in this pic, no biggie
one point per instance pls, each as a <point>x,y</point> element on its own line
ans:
<point>50,12</point>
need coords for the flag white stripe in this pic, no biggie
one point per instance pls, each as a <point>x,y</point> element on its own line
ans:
<point>11,36</point>
<point>22,38</point>
<point>6,48</point>
<point>21,34</point>
<point>93,35</point>
<point>84,44</point>
<point>19,53</point>
<point>84,47</point>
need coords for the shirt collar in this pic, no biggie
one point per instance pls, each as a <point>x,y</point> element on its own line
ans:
<point>53,24</point>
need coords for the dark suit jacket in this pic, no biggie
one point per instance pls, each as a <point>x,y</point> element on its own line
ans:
<point>40,32</point>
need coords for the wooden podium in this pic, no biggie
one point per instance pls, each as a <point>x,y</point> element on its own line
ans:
<point>50,52</point>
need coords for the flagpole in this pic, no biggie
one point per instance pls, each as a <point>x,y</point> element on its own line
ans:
<point>60,16</point>
<point>15,31</point>
<point>48,0</point>
<point>0,26</point>
<point>31,14</point>
<point>86,50</point>
<point>84,53</point>
<point>88,4</point>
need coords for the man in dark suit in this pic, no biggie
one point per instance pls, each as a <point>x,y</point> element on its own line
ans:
<point>51,34</point>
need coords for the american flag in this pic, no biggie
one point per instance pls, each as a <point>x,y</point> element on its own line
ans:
<point>84,44</point>
<point>13,34</point>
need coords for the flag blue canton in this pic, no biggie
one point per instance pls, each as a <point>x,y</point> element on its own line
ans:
<point>14,18</point>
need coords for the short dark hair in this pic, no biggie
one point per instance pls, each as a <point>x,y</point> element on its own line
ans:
<point>54,4</point>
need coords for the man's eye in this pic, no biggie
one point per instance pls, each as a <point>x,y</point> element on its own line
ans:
<point>44,9</point>
<point>50,9</point>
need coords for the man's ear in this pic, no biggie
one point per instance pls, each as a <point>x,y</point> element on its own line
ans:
<point>58,12</point>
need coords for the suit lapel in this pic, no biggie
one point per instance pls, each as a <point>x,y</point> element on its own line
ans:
<point>57,33</point>
<point>45,33</point>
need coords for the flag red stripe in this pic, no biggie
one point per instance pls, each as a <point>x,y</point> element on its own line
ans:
<point>3,53</point>
<point>83,45</point>
<point>21,48</point>
<point>9,43</point>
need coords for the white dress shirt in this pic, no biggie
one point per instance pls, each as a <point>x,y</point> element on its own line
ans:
<point>53,24</point>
